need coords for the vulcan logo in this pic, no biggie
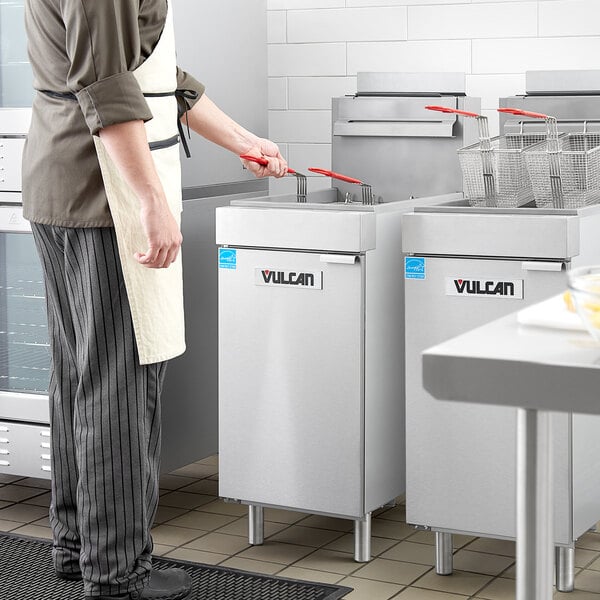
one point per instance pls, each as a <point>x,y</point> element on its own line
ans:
<point>305,280</point>
<point>484,288</point>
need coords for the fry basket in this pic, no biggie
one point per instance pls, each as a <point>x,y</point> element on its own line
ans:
<point>565,174</point>
<point>494,171</point>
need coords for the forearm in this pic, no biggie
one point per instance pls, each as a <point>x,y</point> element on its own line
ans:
<point>127,145</point>
<point>208,120</point>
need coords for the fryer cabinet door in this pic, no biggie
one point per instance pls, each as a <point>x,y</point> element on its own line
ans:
<point>291,380</point>
<point>461,458</point>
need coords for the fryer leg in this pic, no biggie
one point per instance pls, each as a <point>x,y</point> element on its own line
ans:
<point>362,539</point>
<point>565,568</point>
<point>256,525</point>
<point>443,553</point>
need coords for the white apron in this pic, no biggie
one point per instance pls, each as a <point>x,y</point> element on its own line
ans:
<point>155,295</point>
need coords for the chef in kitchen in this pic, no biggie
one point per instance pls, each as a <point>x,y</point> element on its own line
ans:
<point>101,187</point>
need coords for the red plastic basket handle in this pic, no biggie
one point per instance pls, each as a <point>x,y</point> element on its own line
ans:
<point>335,175</point>
<point>456,111</point>
<point>262,161</point>
<point>523,113</point>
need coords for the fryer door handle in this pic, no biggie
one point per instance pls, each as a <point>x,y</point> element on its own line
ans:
<point>338,259</point>
<point>539,265</point>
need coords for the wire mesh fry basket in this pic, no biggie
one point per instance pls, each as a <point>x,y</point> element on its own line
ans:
<point>494,171</point>
<point>565,173</point>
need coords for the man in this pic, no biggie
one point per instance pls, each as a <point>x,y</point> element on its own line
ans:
<point>102,191</point>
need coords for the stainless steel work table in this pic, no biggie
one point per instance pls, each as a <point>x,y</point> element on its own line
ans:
<point>539,370</point>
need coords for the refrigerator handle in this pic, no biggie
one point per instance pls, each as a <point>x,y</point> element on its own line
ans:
<point>539,265</point>
<point>338,259</point>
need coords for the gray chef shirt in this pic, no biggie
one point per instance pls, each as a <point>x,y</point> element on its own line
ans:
<point>87,49</point>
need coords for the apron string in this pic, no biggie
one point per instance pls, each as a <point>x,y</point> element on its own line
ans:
<point>182,95</point>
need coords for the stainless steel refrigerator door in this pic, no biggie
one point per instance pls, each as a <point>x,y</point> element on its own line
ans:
<point>461,458</point>
<point>291,386</point>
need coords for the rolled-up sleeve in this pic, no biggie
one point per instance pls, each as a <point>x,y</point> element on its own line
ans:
<point>103,47</point>
<point>187,82</point>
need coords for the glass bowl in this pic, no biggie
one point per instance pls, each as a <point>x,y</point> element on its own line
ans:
<point>584,286</point>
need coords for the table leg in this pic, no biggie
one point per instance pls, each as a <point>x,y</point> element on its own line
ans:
<point>535,545</point>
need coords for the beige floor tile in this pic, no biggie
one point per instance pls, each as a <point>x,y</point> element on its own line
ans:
<point>203,486</point>
<point>478,562</point>
<point>588,581</point>
<point>181,499</point>
<point>210,460</point>
<point>423,537</point>
<point>174,536</point>
<point>9,525</point>
<point>196,556</point>
<point>460,541</point>
<point>43,522</point>
<point>240,527</point>
<point>407,551</point>
<point>510,573</point>
<point>162,549</point>
<point>197,471</point>
<point>493,546</point>
<point>23,513</point>
<point>166,513</point>
<point>329,560</point>
<point>310,575</point>
<point>584,558</point>
<point>305,536</point>
<point>286,554</point>
<point>41,500</point>
<point>36,482</point>
<point>330,523</point>
<point>219,543</point>
<point>365,589</point>
<point>595,565</point>
<point>225,508</point>
<point>174,482</point>
<point>278,515</point>
<point>391,529</point>
<point>4,504</point>
<point>34,531</point>
<point>346,544</point>
<point>398,513</point>
<point>460,582</point>
<point>589,541</point>
<point>391,571</point>
<point>499,589</point>
<point>253,566</point>
<point>201,520</point>
<point>18,493</point>
<point>4,478</point>
<point>417,594</point>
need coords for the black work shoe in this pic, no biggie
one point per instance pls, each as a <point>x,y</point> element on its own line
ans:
<point>169,584</point>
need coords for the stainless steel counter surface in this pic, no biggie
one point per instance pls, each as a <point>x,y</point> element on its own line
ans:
<point>505,363</point>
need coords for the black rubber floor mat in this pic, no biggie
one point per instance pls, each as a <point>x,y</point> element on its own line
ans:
<point>26,573</point>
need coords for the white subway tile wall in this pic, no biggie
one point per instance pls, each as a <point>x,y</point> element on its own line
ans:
<point>316,48</point>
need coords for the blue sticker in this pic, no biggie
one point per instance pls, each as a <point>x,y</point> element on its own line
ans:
<point>414,267</point>
<point>227,258</point>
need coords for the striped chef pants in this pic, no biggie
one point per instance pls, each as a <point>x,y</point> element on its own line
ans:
<point>104,415</point>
